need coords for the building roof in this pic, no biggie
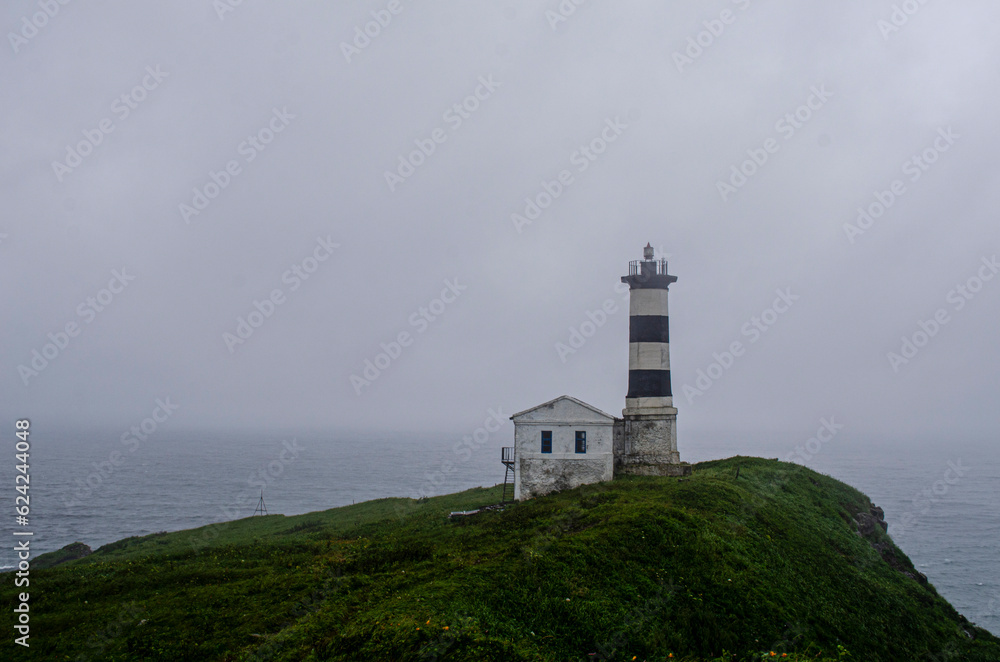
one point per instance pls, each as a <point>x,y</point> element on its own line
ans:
<point>550,403</point>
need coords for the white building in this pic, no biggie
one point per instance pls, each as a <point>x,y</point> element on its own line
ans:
<point>561,444</point>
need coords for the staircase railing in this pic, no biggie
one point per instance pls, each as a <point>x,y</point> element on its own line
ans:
<point>507,457</point>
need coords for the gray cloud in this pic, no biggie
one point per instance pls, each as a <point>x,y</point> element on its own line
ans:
<point>323,176</point>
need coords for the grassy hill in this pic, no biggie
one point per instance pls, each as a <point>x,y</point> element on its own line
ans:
<point>769,565</point>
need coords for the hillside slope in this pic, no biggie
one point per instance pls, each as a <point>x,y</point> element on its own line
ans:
<point>712,567</point>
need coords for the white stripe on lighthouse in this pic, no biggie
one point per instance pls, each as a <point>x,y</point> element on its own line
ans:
<point>647,302</point>
<point>639,403</point>
<point>648,356</point>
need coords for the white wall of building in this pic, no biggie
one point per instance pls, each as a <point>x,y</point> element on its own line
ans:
<point>538,473</point>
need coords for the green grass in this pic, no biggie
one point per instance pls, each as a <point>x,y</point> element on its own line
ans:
<point>707,568</point>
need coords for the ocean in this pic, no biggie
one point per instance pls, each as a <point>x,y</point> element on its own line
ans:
<point>942,503</point>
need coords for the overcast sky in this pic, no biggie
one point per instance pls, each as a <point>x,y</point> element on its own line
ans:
<point>119,116</point>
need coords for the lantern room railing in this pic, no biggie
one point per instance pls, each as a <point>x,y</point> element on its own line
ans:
<point>647,268</point>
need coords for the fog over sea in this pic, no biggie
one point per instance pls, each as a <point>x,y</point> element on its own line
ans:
<point>948,524</point>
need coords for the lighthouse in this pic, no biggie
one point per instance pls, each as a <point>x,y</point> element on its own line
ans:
<point>565,443</point>
<point>647,444</point>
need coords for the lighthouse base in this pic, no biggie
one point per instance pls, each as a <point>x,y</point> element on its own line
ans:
<point>646,443</point>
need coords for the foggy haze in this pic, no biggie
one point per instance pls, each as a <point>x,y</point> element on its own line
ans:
<point>630,122</point>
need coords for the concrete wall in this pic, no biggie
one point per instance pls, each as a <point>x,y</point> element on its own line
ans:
<point>538,473</point>
<point>650,436</point>
<point>650,447</point>
<point>619,437</point>
<point>528,438</point>
<point>543,474</point>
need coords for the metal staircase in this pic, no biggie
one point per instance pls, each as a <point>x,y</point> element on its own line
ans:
<point>507,457</point>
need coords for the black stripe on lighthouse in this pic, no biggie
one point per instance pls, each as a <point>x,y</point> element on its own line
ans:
<point>649,384</point>
<point>649,328</point>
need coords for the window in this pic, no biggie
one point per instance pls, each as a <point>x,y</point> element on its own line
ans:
<point>546,441</point>
<point>581,441</point>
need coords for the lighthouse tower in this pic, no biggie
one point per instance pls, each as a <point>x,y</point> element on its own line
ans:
<point>648,445</point>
